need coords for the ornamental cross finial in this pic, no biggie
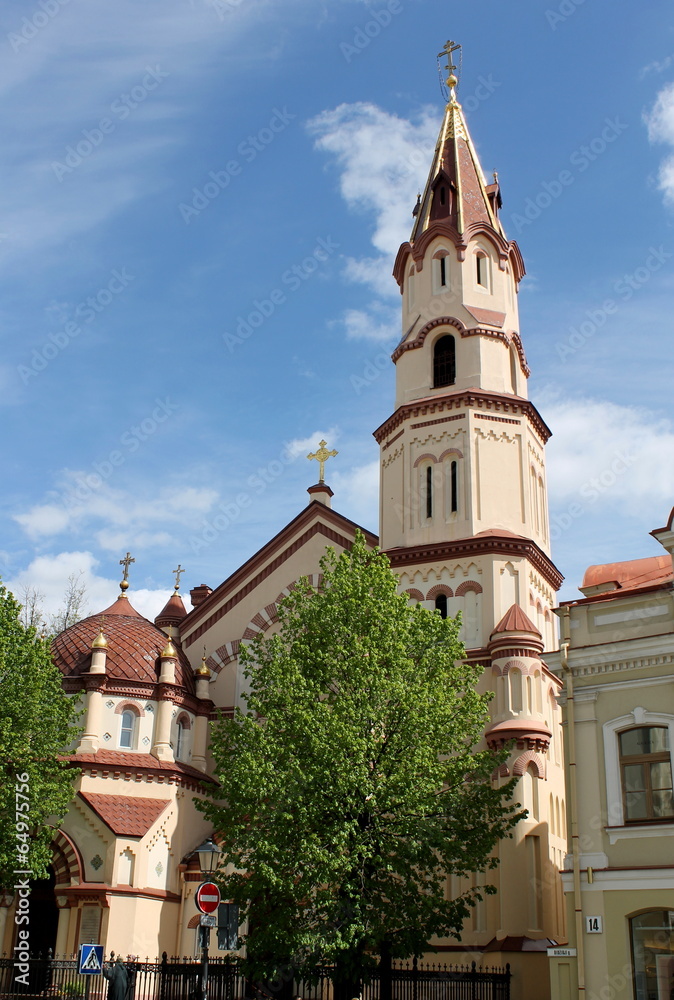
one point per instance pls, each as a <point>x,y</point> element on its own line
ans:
<point>178,572</point>
<point>321,455</point>
<point>449,48</point>
<point>126,562</point>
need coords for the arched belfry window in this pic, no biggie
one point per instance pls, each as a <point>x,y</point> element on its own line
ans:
<point>127,730</point>
<point>444,361</point>
<point>441,605</point>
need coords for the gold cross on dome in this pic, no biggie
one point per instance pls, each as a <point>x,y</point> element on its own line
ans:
<point>321,455</point>
<point>449,48</point>
<point>126,562</point>
<point>178,572</point>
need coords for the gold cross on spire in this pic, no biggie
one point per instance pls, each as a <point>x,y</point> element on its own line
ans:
<point>125,562</point>
<point>321,455</point>
<point>178,572</point>
<point>449,48</point>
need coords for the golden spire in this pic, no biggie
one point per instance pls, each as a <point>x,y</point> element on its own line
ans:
<point>100,642</point>
<point>169,651</point>
<point>125,562</point>
<point>178,572</point>
<point>321,455</point>
<point>451,81</point>
<point>203,671</point>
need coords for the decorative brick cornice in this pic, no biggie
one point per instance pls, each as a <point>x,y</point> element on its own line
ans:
<point>468,398</point>
<point>492,543</point>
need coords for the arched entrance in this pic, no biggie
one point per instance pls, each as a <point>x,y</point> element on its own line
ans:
<point>44,915</point>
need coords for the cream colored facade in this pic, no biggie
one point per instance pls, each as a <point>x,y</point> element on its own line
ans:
<point>463,515</point>
<point>463,518</point>
<point>618,669</point>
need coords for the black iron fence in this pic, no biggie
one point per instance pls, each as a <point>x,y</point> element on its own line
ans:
<point>58,978</point>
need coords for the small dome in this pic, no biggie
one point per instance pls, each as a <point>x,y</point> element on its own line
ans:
<point>134,647</point>
<point>173,611</point>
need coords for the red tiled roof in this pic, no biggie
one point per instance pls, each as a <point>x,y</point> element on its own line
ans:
<point>173,611</point>
<point>126,815</point>
<point>118,759</point>
<point>134,647</point>
<point>630,575</point>
<point>515,620</point>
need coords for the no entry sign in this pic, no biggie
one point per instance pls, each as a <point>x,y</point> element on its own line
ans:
<point>208,897</point>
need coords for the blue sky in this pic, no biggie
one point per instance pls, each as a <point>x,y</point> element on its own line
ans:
<point>200,205</point>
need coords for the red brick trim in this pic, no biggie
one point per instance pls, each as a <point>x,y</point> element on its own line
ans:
<point>476,399</point>
<point>393,439</point>
<point>450,451</point>
<point>440,420</point>
<point>67,860</point>
<point>268,565</point>
<point>468,585</point>
<point>530,757</point>
<point>124,705</point>
<point>439,588</point>
<point>425,458</point>
<point>415,594</point>
<point>183,717</point>
<point>491,544</point>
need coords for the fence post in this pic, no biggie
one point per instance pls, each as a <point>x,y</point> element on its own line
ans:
<point>473,981</point>
<point>415,978</point>
<point>163,975</point>
<point>508,974</point>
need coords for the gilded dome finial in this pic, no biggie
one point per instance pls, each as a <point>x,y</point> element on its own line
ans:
<point>100,642</point>
<point>125,562</point>
<point>452,80</point>
<point>202,670</point>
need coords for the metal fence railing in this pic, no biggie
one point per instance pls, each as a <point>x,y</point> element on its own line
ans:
<point>58,978</point>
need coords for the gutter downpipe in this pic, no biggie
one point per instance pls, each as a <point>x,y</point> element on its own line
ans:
<point>573,792</point>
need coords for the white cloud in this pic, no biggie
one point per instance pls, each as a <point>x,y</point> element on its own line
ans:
<point>375,272</point>
<point>383,161</point>
<point>358,493</point>
<point>660,122</point>
<point>49,575</point>
<point>363,326</point>
<point>302,446</point>
<point>83,498</point>
<point>620,457</point>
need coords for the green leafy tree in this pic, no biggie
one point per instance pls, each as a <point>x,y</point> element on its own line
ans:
<point>37,722</point>
<point>351,788</point>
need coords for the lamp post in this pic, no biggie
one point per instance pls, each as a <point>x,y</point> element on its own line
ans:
<point>209,855</point>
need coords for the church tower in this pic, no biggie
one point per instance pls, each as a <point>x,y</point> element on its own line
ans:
<point>464,520</point>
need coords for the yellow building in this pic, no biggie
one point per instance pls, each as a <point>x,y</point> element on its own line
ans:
<point>617,660</point>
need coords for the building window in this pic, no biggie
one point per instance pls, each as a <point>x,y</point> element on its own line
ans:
<point>126,730</point>
<point>228,927</point>
<point>410,289</point>
<point>429,491</point>
<point>181,740</point>
<point>441,605</point>
<point>482,269</point>
<point>444,361</point>
<point>454,487</point>
<point>646,774</point>
<point>652,937</point>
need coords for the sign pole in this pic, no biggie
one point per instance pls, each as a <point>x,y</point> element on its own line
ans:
<point>205,941</point>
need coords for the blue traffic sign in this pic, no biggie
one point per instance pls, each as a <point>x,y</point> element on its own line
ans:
<point>91,959</point>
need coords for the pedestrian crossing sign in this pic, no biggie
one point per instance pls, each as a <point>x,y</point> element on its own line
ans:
<point>91,959</point>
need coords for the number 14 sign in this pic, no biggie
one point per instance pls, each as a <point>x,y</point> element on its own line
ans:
<point>593,925</point>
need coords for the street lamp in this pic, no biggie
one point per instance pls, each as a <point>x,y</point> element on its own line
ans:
<point>209,856</point>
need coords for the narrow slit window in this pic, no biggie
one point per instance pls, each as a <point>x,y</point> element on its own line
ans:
<point>441,605</point>
<point>444,362</point>
<point>429,491</point>
<point>454,487</point>
<point>443,271</point>
<point>481,265</point>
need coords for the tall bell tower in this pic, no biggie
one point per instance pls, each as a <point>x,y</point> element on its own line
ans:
<point>463,513</point>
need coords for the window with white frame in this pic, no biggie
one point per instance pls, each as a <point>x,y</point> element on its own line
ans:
<point>127,729</point>
<point>482,270</point>
<point>638,763</point>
